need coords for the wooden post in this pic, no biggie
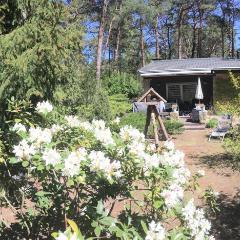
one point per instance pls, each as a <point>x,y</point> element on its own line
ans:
<point>147,121</point>
<point>161,123</point>
<point>153,115</point>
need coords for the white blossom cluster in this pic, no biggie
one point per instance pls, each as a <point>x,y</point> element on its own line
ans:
<point>98,128</point>
<point>71,161</point>
<point>44,107</point>
<point>102,163</point>
<point>128,133</point>
<point>156,231</point>
<point>198,225</point>
<point>19,127</point>
<point>24,150</point>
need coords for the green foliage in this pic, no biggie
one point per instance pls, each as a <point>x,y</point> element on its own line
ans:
<point>211,198</point>
<point>101,108</point>
<point>37,56</point>
<point>119,105</point>
<point>122,83</point>
<point>173,126</point>
<point>232,145</point>
<point>136,120</point>
<point>228,95</point>
<point>212,123</point>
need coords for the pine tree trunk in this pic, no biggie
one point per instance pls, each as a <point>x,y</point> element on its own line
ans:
<point>200,33</point>
<point>169,43</point>
<point>179,33</point>
<point>233,35</point>
<point>108,37</point>
<point>142,43</point>
<point>157,52</point>
<point>116,55</point>
<point>194,37</point>
<point>100,43</point>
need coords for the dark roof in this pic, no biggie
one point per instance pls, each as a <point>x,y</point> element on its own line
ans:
<point>188,66</point>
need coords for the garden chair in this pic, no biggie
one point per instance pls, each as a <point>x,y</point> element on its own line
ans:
<point>222,129</point>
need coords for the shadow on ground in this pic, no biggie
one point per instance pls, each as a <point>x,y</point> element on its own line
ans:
<point>226,223</point>
<point>219,160</point>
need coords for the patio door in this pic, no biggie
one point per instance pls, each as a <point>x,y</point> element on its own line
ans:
<point>184,92</point>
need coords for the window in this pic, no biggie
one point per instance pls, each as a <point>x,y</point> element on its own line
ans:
<point>181,91</point>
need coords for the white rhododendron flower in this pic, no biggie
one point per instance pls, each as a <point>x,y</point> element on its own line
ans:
<point>18,127</point>
<point>86,126</point>
<point>62,236</point>
<point>24,150</point>
<point>151,161</point>
<point>104,136</point>
<point>100,124</point>
<point>181,175</point>
<point>73,161</point>
<point>116,120</point>
<point>65,236</point>
<point>151,147</point>
<point>51,157</point>
<point>72,121</point>
<point>101,163</point>
<point>169,145</point>
<point>174,159</point>
<point>173,195</point>
<point>198,225</point>
<point>39,136</point>
<point>56,128</point>
<point>44,107</point>
<point>201,172</point>
<point>128,133</point>
<point>137,148</point>
<point>156,231</point>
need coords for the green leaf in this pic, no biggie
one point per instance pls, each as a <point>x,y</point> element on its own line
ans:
<point>54,234</point>
<point>13,160</point>
<point>70,182</point>
<point>100,207</point>
<point>42,193</point>
<point>144,226</point>
<point>97,231</point>
<point>25,163</point>
<point>157,204</point>
<point>73,225</point>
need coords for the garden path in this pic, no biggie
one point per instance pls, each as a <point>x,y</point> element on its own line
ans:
<point>219,174</point>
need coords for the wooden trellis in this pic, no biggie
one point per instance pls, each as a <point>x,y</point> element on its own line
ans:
<point>151,98</point>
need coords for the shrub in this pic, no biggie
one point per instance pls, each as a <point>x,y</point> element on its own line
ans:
<point>173,126</point>
<point>122,83</point>
<point>138,121</point>
<point>101,108</point>
<point>71,169</point>
<point>212,123</point>
<point>119,105</point>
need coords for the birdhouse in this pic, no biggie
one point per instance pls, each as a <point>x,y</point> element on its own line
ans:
<point>151,97</point>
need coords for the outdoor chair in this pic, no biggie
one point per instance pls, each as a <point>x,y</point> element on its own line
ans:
<point>222,129</point>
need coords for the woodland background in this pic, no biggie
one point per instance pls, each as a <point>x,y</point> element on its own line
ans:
<point>84,55</point>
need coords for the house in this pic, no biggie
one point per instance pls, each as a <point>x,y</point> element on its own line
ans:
<point>176,79</point>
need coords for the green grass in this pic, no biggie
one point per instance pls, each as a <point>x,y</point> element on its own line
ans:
<point>138,121</point>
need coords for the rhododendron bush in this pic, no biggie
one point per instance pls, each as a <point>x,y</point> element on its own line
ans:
<point>111,184</point>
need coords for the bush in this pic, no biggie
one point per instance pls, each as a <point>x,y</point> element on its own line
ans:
<point>122,83</point>
<point>212,123</point>
<point>119,105</point>
<point>174,126</point>
<point>138,121</point>
<point>71,169</point>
